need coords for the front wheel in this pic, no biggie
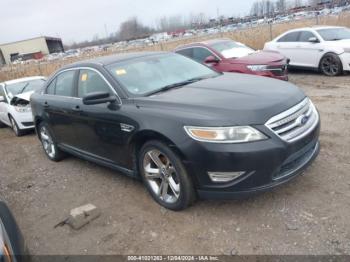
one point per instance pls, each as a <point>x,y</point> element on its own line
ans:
<point>331,65</point>
<point>49,144</point>
<point>15,128</point>
<point>165,176</point>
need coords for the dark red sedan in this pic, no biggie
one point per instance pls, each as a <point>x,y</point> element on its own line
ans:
<point>225,55</point>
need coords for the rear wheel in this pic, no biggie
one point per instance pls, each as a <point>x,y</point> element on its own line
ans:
<point>15,128</point>
<point>165,176</point>
<point>49,145</point>
<point>331,65</point>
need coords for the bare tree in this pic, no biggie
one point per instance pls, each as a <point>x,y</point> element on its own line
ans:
<point>281,6</point>
<point>132,29</point>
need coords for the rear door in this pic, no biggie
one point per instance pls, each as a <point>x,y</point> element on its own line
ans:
<point>288,45</point>
<point>59,103</point>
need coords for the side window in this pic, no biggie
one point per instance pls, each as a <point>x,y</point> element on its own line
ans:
<point>200,54</point>
<point>2,92</point>
<point>90,82</point>
<point>65,83</point>
<point>50,90</point>
<point>305,36</point>
<point>186,52</point>
<point>291,37</point>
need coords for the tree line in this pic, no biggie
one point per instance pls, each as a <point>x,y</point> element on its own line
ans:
<point>133,28</point>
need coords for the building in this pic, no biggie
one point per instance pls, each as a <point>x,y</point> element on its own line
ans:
<point>34,48</point>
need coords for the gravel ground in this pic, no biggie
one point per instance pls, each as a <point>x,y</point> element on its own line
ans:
<point>309,215</point>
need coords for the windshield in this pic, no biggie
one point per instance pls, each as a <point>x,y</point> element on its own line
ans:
<point>148,75</point>
<point>334,34</point>
<point>25,86</point>
<point>231,49</point>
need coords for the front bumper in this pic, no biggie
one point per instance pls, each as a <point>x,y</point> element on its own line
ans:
<point>345,58</point>
<point>24,120</point>
<point>267,164</point>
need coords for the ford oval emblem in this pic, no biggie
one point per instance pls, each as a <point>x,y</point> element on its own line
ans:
<point>304,120</point>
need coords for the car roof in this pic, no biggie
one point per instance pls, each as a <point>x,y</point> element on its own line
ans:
<point>209,42</point>
<point>111,59</point>
<point>24,79</point>
<point>314,28</point>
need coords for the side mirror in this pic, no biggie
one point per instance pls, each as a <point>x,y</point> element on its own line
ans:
<point>313,40</point>
<point>211,60</point>
<point>2,99</point>
<point>98,98</point>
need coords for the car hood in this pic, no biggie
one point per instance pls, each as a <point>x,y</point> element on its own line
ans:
<point>259,58</point>
<point>340,43</point>
<point>25,96</point>
<point>226,100</point>
<point>21,98</point>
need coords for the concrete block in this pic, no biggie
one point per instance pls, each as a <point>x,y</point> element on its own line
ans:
<point>81,216</point>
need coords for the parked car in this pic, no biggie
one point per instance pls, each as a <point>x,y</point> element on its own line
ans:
<point>182,127</point>
<point>228,56</point>
<point>12,245</point>
<point>323,48</point>
<point>15,109</point>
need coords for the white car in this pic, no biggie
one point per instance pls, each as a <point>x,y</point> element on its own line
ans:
<point>324,48</point>
<point>15,110</point>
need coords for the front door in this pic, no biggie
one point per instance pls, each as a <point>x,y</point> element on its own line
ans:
<point>99,127</point>
<point>309,53</point>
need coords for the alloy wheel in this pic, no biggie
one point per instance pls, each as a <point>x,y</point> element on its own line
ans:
<point>47,142</point>
<point>161,176</point>
<point>330,66</point>
<point>14,126</point>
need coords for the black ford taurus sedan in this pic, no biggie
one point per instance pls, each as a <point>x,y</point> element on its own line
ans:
<point>187,131</point>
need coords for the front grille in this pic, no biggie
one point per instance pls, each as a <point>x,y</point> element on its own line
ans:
<point>296,122</point>
<point>278,70</point>
<point>289,168</point>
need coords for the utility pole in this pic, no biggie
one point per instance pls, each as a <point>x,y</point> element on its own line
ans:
<point>106,30</point>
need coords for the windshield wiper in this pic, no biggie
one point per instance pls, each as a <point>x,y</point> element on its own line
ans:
<point>22,90</point>
<point>336,39</point>
<point>179,84</point>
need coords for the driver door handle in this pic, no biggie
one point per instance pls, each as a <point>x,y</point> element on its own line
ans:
<point>46,104</point>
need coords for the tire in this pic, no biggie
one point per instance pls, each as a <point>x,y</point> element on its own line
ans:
<point>18,132</point>
<point>49,145</point>
<point>331,65</point>
<point>167,181</point>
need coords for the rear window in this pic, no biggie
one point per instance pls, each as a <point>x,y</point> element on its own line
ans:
<point>186,52</point>
<point>200,54</point>
<point>290,37</point>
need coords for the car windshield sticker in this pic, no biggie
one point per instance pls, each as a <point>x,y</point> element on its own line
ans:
<point>84,77</point>
<point>120,72</point>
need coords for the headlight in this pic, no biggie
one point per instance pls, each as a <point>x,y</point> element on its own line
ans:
<point>257,67</point>
<point>23,109</point>
<point>347,50</point>
<point>235,134</point>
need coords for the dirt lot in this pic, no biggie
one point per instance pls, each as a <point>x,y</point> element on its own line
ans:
<point>310,215</point>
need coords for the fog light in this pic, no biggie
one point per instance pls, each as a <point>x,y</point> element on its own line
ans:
<point>222,177</point>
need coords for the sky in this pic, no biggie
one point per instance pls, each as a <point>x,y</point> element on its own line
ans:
<point>79,20</point>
